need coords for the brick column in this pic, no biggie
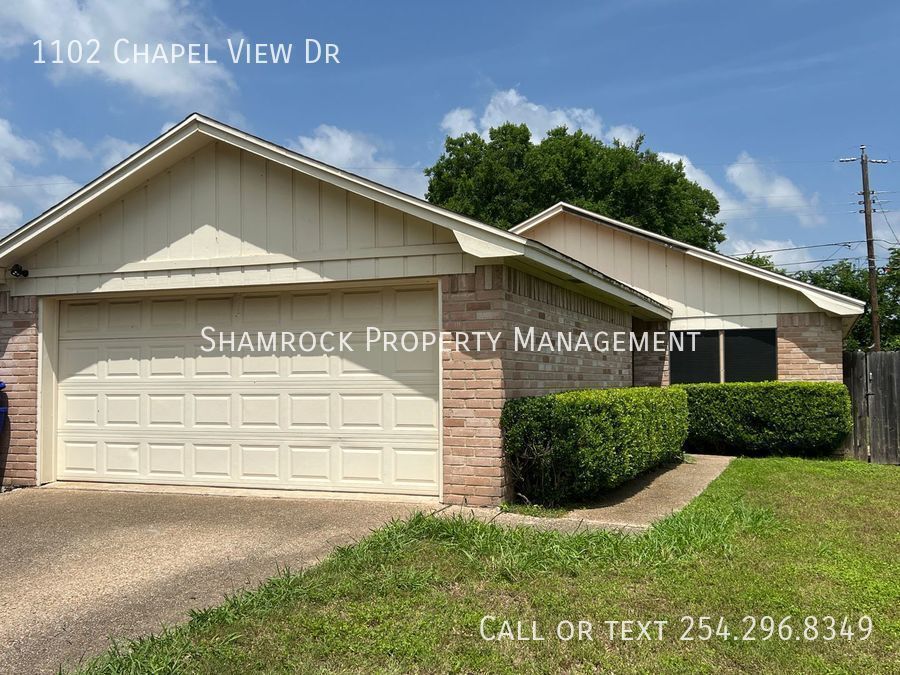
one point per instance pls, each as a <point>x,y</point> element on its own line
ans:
<point>18,369</point>
<point>475,385</point>
<point>809,347</point>
<point>473,393</point>
<point>649,368</point>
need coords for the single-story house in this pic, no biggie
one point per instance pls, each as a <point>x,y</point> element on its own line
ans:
<point>104,298</point>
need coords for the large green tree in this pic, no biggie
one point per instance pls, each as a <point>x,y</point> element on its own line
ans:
<point>844,278</point>
<point>507,179</point>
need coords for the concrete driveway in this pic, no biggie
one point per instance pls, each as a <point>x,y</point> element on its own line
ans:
<point>79,566</point>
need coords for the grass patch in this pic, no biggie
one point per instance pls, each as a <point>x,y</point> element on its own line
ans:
<point>769,537</point>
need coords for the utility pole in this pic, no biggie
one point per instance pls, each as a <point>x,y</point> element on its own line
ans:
<point>866,203</point>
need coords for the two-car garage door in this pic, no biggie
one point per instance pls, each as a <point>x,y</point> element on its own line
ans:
<point>139,400</point>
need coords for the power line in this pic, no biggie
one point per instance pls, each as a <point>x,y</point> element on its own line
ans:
<point>884,215</point>
<point>831,257</point>
<point>821,260</point>
<point>21,185</point>
<point>798,248</point>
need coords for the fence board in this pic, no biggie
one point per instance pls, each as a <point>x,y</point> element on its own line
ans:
<point>884,406</point>
<point>874,383</point>
<point>857,443</point>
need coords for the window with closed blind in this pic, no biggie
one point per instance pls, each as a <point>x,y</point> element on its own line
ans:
<point>749,355</point>
<point>699,365</point>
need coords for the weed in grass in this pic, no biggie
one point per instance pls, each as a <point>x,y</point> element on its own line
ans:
<point>534,510</point>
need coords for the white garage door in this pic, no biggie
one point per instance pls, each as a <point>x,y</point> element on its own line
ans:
<point>140,402</point>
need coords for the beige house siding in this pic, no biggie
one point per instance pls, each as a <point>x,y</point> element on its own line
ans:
<point>224,216</point>
<point>702,295</point>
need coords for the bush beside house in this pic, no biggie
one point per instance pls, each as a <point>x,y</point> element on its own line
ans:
<point>768,418</point>
<point>575,445</point>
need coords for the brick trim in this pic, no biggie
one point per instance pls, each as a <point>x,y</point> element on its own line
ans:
<point>19,370</point>
<point>810,347</point>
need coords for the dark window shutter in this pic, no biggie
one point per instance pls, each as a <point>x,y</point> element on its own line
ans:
<point>750,355</point>
<point>700,365</point>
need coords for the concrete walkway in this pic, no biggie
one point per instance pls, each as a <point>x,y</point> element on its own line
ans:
<point>631,508</point>
<point>78,566</point>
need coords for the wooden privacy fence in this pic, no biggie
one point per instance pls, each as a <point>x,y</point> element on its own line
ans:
<point>874,382</point>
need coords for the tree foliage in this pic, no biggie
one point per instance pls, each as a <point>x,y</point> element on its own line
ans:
<point>844,278</point>
<point>508,179</point>
<point>763,261</point>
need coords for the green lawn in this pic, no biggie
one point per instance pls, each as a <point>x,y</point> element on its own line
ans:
<point>770,537</point>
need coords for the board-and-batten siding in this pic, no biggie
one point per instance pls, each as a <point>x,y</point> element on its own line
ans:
<point>702,295</point>
<point>224,217</point>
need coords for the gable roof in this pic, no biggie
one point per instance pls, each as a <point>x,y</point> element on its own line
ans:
<point>829,301</point>
<point>475,238</point>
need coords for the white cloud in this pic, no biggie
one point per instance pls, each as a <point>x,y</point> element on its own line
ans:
<point>459,121</point>
<point>68,148</point>
<point>10,217</point>
<point>108,152</point>
<point>14,148</point>
<point>357,153</point>
<point>727,203</point>
<point>757,187</point>
<point>24,192</point>
<point>166,21</point>
<point>625,133</point>
<point>511,106</point>
<point>761,187</point>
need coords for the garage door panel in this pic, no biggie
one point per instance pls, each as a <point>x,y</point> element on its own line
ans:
<point>79,361</point>
<point>166,460</point>
<point>121,410</point>
<point>123,362</point>
<point>415,466</point>
<point>310,411</point>
<point>212,461</point>
<point>80,457</point>
<point>150,405</point>
<point>122,459</point>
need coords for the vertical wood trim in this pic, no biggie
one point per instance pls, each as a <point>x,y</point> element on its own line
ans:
<point>721,356</point>
<point>48,354</point>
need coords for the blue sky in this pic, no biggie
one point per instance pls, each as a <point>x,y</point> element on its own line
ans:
<point>759,99</point>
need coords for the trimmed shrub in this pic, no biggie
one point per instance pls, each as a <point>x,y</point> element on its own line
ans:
<point>578,444</point>
<point>768,418</point>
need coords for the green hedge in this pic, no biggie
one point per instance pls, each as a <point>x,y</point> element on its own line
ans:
<point>575,445</point>
<point>768,418</point>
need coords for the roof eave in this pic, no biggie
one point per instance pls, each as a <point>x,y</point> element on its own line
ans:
<point>829,301</point>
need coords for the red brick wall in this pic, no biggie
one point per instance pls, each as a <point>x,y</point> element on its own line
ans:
<point>476,384</point>
<point>650,368</point>
<point>18,369</point>
<point>535,302</point>
<point>809,347</point>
